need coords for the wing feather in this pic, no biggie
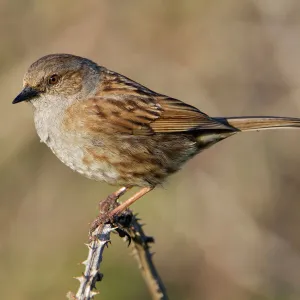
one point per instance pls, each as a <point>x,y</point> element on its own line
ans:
<point>124,106</point>
<point>179,117</point>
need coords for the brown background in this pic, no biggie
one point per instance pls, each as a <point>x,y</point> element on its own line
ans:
<point>227,225</point>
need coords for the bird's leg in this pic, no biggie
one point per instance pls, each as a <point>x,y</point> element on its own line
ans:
<point>119,209</point>
<point>105,206</point>
<point>110,202</point>
<point>108,211</point>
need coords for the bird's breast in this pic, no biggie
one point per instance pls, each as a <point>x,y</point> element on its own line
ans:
<point>71,149</point>
<point>72,152</point>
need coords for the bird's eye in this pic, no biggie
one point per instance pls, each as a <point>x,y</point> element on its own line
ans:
<point>53,79</point>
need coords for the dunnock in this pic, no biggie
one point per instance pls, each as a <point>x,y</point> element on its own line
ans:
<point>111,128</point>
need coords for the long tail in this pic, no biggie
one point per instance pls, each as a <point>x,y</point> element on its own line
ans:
<point>260,123</point>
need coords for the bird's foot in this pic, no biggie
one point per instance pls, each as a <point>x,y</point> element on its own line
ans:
<point>110,202</point>
<point>105,207</point>
<point>121,222</point>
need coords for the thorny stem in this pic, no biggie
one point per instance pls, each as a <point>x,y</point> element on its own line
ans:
<point>141,251</point>
<point>92,265</point>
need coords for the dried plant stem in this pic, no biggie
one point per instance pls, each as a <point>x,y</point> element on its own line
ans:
<point>141,251</point>
<point>100,232</point>
<point>92,265</point>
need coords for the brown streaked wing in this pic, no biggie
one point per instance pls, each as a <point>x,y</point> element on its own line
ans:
<point>125,106</point>
<point>178,116</point>
<point>138,115</point>
<point>131,115</point>
<point>130,107</point>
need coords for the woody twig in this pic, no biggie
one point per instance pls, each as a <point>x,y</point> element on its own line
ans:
<point>126,225</point>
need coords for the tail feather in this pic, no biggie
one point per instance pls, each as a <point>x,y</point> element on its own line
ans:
<point>260,123</point>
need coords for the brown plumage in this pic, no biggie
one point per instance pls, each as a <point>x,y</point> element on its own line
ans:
<point>109,127</point>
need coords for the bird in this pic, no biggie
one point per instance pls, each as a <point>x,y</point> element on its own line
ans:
<point>110,128</point>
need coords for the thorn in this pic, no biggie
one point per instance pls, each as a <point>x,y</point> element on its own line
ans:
<point>149,239</point>
<point>99,276</point>
<point>94,293</point>
<point>152,253</point>
<point>108,242</point>
<point>137,234</point>
<point>71,296</point>
<point>128,240</point>
<point>113,229</point>
<point>90,246</point>
<point>80,278</point>
<point>84,262</point>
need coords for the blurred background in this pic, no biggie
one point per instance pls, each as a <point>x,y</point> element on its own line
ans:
<point>226,226</point>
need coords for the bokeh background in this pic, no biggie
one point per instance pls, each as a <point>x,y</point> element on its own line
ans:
<point>227,226</point>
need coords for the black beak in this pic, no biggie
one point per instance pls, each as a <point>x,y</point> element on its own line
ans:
<point>27,94</point>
